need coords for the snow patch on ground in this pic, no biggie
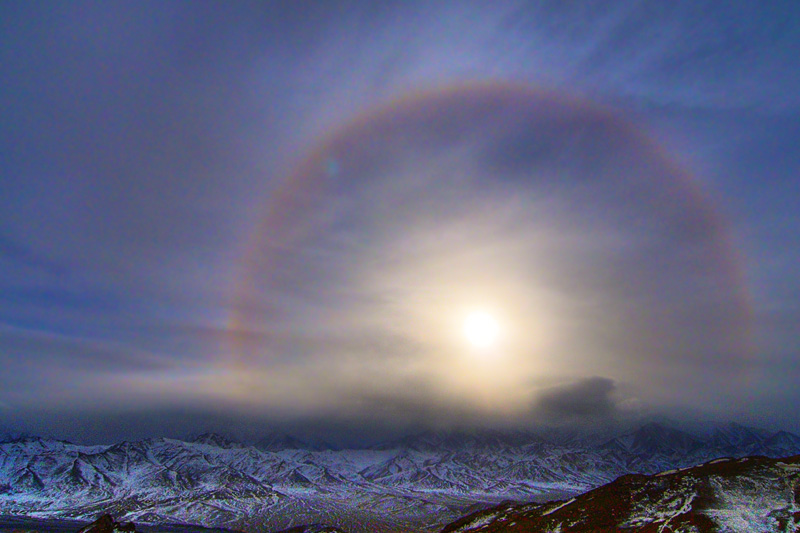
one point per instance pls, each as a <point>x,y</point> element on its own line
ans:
<point>749,505</point>
<point>481,521</point>
<point>554,509</point>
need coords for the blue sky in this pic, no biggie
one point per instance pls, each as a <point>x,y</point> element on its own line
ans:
<point>627,212</point>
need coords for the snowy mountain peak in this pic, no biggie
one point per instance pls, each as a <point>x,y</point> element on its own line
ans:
<point>737,436</point>
<point>656,439</point>
<point>781,443</point>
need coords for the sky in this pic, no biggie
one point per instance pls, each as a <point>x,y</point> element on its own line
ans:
<point>354,219</point>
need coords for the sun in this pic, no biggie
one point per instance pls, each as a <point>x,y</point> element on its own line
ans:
<point>481,329</point>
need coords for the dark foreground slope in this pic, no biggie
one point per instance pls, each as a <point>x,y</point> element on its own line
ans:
<point>755,494</point>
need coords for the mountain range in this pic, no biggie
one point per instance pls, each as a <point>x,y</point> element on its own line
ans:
<point>417,483</point>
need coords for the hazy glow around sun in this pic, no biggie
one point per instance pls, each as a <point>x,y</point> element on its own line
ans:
<point>481,329</point>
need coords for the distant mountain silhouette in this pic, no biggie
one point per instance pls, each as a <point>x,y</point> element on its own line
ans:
<point>655,439</point>
<point>215,439</point>
<point>281,441</point>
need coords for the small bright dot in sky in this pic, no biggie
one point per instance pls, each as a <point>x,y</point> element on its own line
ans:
<point>481,329</point>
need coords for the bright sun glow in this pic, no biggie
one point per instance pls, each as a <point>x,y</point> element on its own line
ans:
<point>481,329</point>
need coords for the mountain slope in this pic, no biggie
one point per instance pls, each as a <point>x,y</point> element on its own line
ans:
<point>750,494</point>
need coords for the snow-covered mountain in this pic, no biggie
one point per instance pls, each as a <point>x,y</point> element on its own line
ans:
<point>417,483</point>
<point>724,495</point>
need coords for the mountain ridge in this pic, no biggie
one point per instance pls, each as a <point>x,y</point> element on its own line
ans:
<point>413,484</point>
<point>748,494</point>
